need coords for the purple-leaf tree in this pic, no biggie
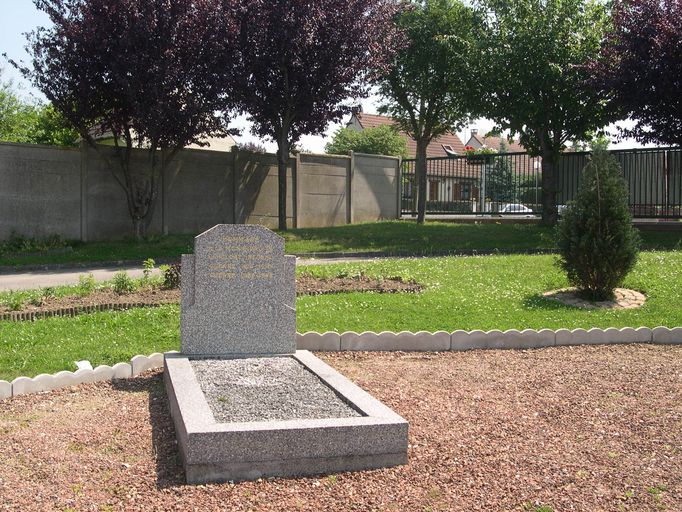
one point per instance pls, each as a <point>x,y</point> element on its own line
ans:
<point>640,68</point>
<point>302,60</point>
<point>145,73</point>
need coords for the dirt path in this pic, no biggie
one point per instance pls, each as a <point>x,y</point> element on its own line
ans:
<point>574,429</point>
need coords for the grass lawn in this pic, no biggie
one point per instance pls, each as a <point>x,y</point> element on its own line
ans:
<point>489,292</point>
<point>402,237</point>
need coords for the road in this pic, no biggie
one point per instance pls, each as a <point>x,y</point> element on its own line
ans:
<point>26,280</point>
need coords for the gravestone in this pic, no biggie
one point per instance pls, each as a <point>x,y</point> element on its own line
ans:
<point>245,403</point>
<point>238,294</point>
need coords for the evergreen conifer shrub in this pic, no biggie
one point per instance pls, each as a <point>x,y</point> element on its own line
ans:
<point>598,245</point>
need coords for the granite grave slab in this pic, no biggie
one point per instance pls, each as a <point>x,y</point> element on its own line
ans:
<point>244,402</point>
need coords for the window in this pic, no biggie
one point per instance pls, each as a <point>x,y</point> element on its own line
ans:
<point>466,191</point>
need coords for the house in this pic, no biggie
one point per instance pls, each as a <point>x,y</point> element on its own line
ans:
<point>449,179</point>
<point>478,141</point>
<point>223,143</point>
<point>525,167</point>
<point>360,121</point>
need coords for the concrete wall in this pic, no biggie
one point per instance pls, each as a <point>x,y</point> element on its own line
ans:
<point>72,192</point>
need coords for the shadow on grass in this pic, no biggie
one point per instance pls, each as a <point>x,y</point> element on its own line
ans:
<point>169,471</point>
<point>404,236</point>
<point>537,301</point>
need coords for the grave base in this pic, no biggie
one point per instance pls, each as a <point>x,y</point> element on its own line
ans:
<point>219,452</point>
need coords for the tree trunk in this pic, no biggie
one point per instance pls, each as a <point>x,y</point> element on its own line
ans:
<point>549,187</point>
<point>139,228</point>
<point>282,162</point>
<point>420,171</point>
<point>140,193</point>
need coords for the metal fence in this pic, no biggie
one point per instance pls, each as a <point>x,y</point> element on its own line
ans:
<point>511,183</point>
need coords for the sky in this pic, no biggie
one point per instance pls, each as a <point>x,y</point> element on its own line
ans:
<point>21,16</point>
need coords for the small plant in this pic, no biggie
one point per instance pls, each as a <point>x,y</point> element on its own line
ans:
<point>49,292</point>
<point>171,276</point>
<point>598,246</point>
<point>483,150</point>
<point>86,285</point>
<point>15,302</point>
<point>36,299</point>
<point>123,283</point>
<point>17,243</point>
<point>149,265</point>
<point>529,507</point>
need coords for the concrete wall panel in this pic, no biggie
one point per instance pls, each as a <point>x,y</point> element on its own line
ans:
<point>323,190</point>
<point>40,191</point>
<point>375,188</point>
<point>204,180</point>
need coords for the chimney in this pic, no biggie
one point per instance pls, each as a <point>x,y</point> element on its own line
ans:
<point>356,109</point>
<point>474,132</point>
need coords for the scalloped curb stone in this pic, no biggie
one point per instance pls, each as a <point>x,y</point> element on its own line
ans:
<point>468,340</point>
<point>123,370</point>
<point>22,386</point>
<point>143,363</point>
<point>325,342</point>
<point>402,341</point>
<point>629,335</point>
<point>5,389</point>
<point>664,335</point>
<point>65,379</point>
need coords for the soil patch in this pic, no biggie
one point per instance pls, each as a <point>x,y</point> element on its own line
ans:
<point>148,296</point>
<point>571,428</point>
<point>623,299</point>
<point>309,285</point>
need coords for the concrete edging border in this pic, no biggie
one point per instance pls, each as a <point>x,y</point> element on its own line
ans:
<point>404,341</point>
<point>63,379</point>
<point>483,340</point>
<point>29,316</point>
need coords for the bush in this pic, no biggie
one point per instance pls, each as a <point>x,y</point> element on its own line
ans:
<point>123,283</point>
<point>171,276</point>
<point>17,243</point>
<point>597,243</point>
<point>86,285</point>
<point>382,140</point>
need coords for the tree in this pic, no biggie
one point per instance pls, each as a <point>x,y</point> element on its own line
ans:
<point>500,183</point>
<point>533,77</point>
<point>30,123</point>
<point>428,88</point>
<point>597,242</point>
<point>15,116</point>
<point>301,59</point>
<point>382,140</point>
<point>150,73</point>
<point>52,128</point>
<point>640,65</point>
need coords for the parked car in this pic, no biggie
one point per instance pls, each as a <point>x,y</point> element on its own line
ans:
<point>515,208</point>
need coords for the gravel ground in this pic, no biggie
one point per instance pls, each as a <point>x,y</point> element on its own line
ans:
<point>266,388</point>
<point>579,429</point>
